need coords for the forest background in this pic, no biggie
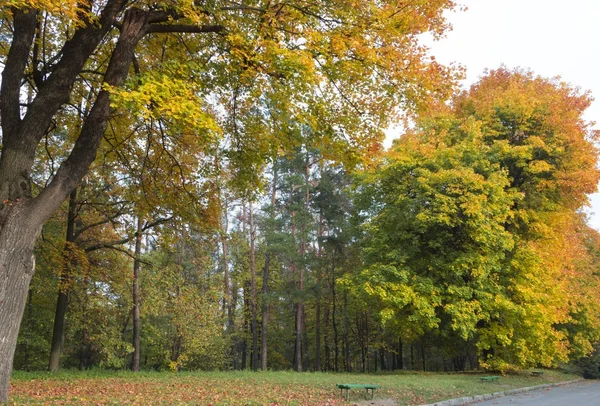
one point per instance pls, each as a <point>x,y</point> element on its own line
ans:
<point>231,207</point>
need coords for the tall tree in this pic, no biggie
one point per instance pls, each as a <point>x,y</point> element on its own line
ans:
<point>468,211</point>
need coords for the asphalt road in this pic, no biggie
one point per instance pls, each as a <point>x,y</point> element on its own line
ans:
<point>584,393</point>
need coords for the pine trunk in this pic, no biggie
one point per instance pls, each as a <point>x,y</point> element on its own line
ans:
<point>265,280</point>
<point>135,362</point>
<point>254,321</point>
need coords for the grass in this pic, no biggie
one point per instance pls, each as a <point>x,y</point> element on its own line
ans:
<point>247,388</point>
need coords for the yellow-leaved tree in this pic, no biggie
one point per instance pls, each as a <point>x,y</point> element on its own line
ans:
<point>474,227</point>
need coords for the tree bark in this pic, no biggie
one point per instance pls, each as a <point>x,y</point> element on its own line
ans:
<point>400,355</point>
<point>336,346</point>
<point>17,238</point>
<point>265,278</point>
<point>135,362</point>
<point>326,326</point>
<point>58,333</point>
<point>346,335</point>
<point>264,312</point>
<point>254,321</point>
<point>318,296</point>
<point>298,309</point>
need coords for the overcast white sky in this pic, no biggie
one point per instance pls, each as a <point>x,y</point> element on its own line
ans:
<point>550,37</point>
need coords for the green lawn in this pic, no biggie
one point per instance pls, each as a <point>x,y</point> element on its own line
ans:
<point>247,388</point>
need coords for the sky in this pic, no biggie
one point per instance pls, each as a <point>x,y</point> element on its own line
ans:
<point>549,37</point>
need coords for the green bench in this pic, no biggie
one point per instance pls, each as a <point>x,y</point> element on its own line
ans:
<point>537,373</point>
<point>348,386</point>
<point>489,378</point>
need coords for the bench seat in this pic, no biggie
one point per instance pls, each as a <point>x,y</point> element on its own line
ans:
<point>489,378</point>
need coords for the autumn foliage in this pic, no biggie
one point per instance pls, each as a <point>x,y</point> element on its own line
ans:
<point>475,230</point>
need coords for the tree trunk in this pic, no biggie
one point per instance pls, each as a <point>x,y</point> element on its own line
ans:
<point>264,312</point>
<point>246,326</point>
<point>84,350</point>
<point>423,354</point>
<point>17,263</point>
<point>236,342</point>
<point>135,362</point>
<point>336,346</point>
<point>298,311</point>
<point>328,366</point>
<point>400,355</point>
<point>58,334</point>
<point>346,335</point>
<point>265,279</point>
<point>318,296</point>
<point>254,320</point>
<point>29,321</point>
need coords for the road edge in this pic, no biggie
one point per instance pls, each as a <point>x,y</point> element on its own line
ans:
<point>478,398</point>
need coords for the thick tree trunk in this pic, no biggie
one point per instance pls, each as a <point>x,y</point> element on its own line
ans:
<point>135,362</point>
<point>58,333</point>
<point>17,238</point>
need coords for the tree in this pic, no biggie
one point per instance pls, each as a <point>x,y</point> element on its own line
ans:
<point>321,59</point>
<point>468,229</point>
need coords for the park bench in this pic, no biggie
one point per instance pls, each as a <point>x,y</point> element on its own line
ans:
<point>348,386</point>
<point>537,373</point>
<point>489,378</point>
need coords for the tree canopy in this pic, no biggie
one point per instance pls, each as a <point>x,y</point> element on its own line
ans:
<point>470,216</point>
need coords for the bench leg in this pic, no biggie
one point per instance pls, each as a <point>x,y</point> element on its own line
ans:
<point>369,389</point>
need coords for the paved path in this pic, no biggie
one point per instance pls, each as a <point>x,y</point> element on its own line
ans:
<point>584,393</point>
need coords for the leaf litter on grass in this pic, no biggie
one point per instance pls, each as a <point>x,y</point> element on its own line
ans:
<point>252,389</point>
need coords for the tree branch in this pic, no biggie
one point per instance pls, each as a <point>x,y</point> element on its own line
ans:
<point>56,91</point>
<point>169,28</point>
<point>25,23</point>
<point>125,240</point>
<point>84,151</point>
<point>96,224</point>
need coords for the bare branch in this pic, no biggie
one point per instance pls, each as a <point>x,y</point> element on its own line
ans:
<point>172,28</point>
